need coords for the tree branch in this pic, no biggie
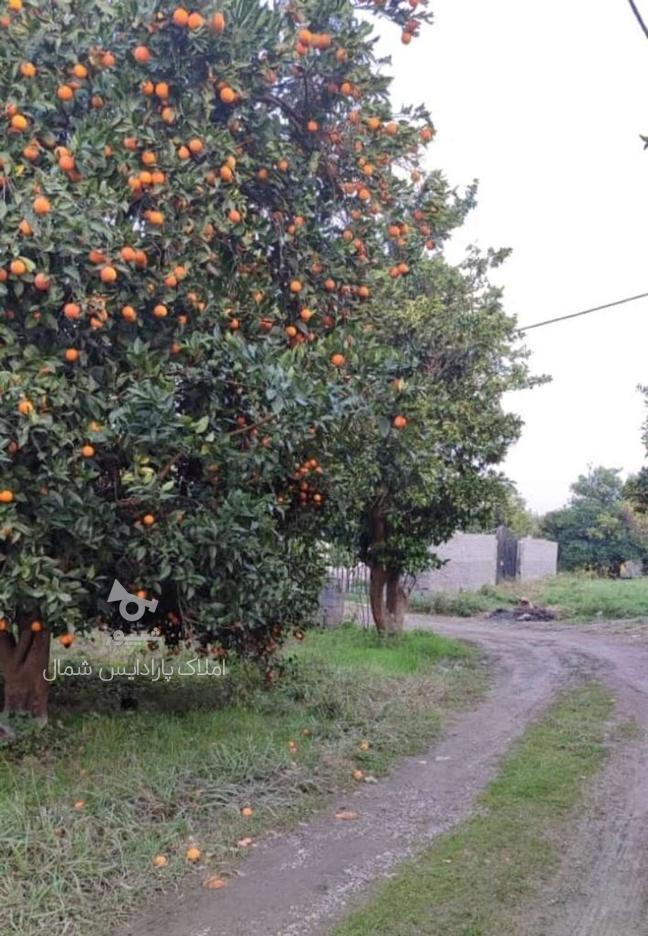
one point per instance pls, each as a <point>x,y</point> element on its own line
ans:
<point>639,17</point>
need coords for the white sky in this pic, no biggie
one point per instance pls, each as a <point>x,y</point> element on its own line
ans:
<point>544,104</point>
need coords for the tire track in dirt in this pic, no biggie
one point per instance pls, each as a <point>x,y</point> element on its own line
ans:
<point>602,888</point>
<point>297,884</point>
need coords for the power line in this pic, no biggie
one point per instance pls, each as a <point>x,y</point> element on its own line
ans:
<point>563,318</point>
<point>640,20</point>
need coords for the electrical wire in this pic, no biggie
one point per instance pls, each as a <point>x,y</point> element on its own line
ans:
<point>563,318</point>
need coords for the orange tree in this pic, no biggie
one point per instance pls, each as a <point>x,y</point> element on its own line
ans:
<point>436,361</point>
<point>192,202</point>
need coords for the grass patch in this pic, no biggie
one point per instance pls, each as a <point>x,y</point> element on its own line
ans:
<point>176,766</point>
<point>473,881</point>
<point>463,603</point>
<point>575,597</point>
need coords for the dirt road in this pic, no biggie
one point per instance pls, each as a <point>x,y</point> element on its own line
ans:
<point>298,884</point>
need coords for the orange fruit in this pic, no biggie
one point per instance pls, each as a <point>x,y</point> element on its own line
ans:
<point>399,422</point>
<point>329,285</point>
<point>338,360</point>
<point>160,311</point>
<point>226,173</point>
<point>129,314</point>
<point>128,254</point>
<point>156,218</point>
<point>312,126</point>
<point>148,519</point>
<point>426,134</point>
<point>42,205</point>
<point>218,22</point>
<point>306,315</point>
<point>66,163</point>
<point>291,331</point>
<point>79,805</point>
<point>108,60</point>
<point>227,95</point>
<point>88,451</point>
<point>215,882</point>
<point>142,54</point>
<point>42,282</point>
<point>234,216</point>
<point>180,16</point>
<point>97,256</point>
<point>28,70</point>
<point>195,21</point>
<point>358,775</point>
<point>193,854</point>
<point>66,640</point>
<point>71,311</point>
<point>80,71</point>
<point>71,355</point>
<point>168,115</point>
<point>162,90</point>
<point>6,497</point>
<point>160,861</point>
<point>295,286</point>
<point>19,122</point>
<point>36,626</point>
<point>65,93</point>
<point>247,811</point>
<point>196,146</point>
<point>406,38</point>
<point>184,152</point>
<point>25,407</point>
<point>18,267</point>
<point>108,274</point>
<point>31,152</point>
<point>148,158</point>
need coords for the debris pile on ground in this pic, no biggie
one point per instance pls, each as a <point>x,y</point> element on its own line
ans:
<point>525,610</point>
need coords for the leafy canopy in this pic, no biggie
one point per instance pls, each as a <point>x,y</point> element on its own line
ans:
<point>195,209</point>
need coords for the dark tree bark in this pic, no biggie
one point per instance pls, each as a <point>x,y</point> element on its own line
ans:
<point>396,603</point>
<point>23,663</point>
<point>377,581</point>
<point>387,596</point>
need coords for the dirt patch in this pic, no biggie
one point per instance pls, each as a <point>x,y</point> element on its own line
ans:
<point>299,884</point>
<point>296,884</point>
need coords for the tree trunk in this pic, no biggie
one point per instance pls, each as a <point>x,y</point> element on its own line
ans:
<point>377,581</point>
<point>396,603</point>
<point>24,664</point>
<point>387,596</point>
<point>388,600</point>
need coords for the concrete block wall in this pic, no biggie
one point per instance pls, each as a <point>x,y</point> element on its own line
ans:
<point>537,558</point>
<point>472,564</point>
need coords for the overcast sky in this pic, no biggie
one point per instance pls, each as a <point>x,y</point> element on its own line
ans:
<point>544,104</point>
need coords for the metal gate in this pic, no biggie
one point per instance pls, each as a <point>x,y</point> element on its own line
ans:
<point>507,554</point>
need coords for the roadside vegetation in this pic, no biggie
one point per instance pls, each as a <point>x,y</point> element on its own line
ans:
<point>130,770</point>
<point>573,597</point>
<point>472,881</point>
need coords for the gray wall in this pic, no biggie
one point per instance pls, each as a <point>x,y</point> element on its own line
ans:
<point>472,564</point>
<point>537,558</point>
